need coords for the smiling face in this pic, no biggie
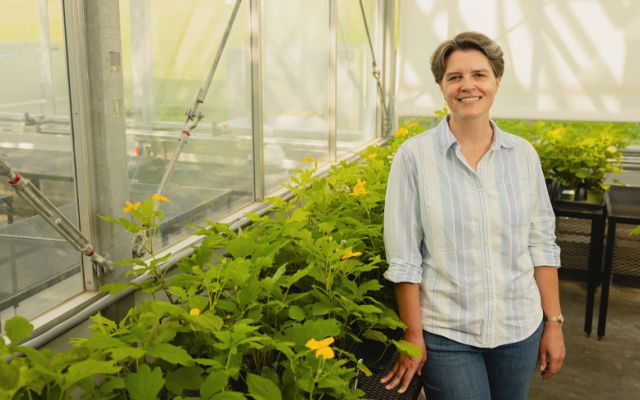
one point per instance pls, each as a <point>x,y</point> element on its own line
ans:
<point>469,85</point>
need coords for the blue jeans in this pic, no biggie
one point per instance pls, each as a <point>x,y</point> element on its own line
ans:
<point>456,371</point>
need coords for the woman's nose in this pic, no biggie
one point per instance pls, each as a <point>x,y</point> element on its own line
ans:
<point>465,82</point>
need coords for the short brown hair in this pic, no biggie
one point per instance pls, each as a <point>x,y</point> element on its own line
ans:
<point>467,41</point>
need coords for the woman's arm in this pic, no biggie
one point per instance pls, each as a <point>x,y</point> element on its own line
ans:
<point>408,297</point>
<point>552,351</point>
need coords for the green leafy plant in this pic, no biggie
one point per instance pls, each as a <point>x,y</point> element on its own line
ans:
<point>574,152</point>
<point>276,310</point>
<point>143,224</point>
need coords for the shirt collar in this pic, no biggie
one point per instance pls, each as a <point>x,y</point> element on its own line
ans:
<point>447,140</point>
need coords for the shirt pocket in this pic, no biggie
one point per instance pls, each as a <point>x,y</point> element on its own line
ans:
<point>516,202</point>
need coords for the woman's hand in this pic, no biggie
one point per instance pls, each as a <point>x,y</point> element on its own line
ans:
<point>552,350</point>
<point>405,367</point>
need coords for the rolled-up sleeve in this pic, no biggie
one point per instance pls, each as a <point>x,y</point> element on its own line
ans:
<point>402,224</point>
<point>542,238</point>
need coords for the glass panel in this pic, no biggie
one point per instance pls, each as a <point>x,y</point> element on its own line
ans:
<point>168,50</point>
<point>296,80</point>
<point>38,269</point>
<point>357,97</point>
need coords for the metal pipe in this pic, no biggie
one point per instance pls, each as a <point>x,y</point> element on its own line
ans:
<point>259,190</point>
<point>333,81</point>
<point>193,115</point>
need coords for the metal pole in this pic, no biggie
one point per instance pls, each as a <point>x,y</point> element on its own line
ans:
<point>193,116</point>
<point>376,72</point>
<point>54,217</point>
<point>257,100</point>
<point>333,81</point>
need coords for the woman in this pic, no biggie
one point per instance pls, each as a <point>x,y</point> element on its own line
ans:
<point>469,235</point>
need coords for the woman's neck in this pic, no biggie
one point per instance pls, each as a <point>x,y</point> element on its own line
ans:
<point>472,133</point>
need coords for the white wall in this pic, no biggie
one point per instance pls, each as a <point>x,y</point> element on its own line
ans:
<point>565,59</point>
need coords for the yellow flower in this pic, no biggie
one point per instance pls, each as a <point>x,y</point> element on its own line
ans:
<point>557,133</point>
<point>321,347</point>
<point>159,197</point>
<point>194,312</point>
<point>412,125</point>
<point>371,155</point>
<point>350,254</point>
<point>358,189</point>
<point>131,206</point>
<point>401,132</point>
<point>308,159</point>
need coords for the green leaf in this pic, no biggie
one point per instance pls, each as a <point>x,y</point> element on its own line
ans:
<point>9,376</point>
<point>262,388</point>
<point>112,384</point>
<point>103,341</point>
<point>408,349</point>
<point>375,335</point>
<point>241,247</point>
<point>369,309</point>
<point>253,217</point>
<point>38,358</point>
<point>88,368</point>
<point>327,227</point>
<point>214,383</point>
<point>115,287</point>
<point>296,313</point>
<point>145,384</point>
<point>316,329</point>
<point>208,322</point>
<point>372,285</point>
<point>229,396</point>
<point>17,329</point>
<point>184,378</point>
<point>102,324</point>
<point>162,308</point>
<point>299,215</point>
<point>171,353</point>
<point>322,309</point>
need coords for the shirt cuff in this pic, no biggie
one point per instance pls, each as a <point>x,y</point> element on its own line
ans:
<point>545,256</point>
<point>399,273</point>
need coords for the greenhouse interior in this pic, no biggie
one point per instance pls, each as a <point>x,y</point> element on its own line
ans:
<point>192,193</point>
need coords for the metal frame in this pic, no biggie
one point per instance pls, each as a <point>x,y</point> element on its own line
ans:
<point>47,67</point>
<point>78,78</point>
<point>333,82</point>
<point>257,99</point>
<point>64,317</point>
<point>389,70</point>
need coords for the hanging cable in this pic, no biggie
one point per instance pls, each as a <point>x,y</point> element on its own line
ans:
<point>376,74</point>
<point>54,217</point>
<point>193,116</point>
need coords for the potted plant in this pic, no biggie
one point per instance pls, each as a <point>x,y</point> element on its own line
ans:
<point>577,156</point>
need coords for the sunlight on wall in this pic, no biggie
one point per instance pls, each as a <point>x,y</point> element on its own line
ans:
<point>565,59</point>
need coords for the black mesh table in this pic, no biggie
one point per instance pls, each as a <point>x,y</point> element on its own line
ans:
<point>623,207</point>
<point>597,214</point>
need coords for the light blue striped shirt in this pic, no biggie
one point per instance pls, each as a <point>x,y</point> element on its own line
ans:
<point>471,239</point>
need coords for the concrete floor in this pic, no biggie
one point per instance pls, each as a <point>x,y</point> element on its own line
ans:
<point>597,369</point>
